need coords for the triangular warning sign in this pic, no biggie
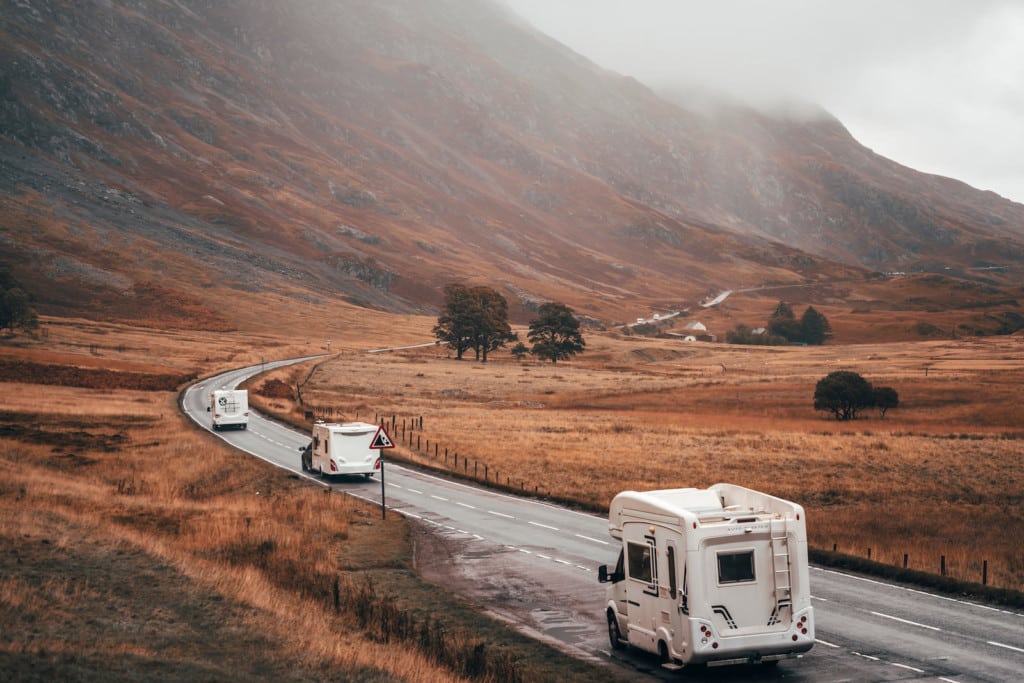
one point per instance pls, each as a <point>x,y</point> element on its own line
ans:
<point>381,439</point>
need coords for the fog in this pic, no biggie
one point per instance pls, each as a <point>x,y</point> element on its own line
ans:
<point>937,85</point>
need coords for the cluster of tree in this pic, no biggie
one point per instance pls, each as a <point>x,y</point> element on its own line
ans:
<point>845,394</point>
<point>783,328</point>
<point>15,305</point>
<point>477,318</point>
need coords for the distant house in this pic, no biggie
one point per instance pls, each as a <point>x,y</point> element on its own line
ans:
<point>695,327</point>
<point>758,331</point>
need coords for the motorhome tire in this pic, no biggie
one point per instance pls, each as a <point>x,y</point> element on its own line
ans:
<point>663,652</point>
<point>614,636</point>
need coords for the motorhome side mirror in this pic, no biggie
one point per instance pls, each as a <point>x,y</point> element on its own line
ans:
<point>602,574</point>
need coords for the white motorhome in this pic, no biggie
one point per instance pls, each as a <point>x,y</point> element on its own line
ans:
<point>342,448</point>
<point>709,576</point>
<point>229,408</point>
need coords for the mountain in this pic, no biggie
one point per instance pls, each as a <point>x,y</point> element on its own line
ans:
<point>172,158</point>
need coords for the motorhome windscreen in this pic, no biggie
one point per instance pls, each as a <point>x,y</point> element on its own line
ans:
<point>736,567</point>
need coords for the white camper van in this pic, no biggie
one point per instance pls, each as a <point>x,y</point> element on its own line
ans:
<point>229,408</point>
<point>715,576</point>
<point>342,448</point>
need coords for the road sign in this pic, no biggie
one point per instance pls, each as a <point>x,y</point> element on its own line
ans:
<point>381,439</point>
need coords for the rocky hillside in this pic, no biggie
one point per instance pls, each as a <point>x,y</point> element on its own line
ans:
<point>164,154</point>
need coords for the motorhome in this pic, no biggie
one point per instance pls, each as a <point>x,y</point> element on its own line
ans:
<point>229,408</point>
<point>709,576</point>
<point>342,448</point>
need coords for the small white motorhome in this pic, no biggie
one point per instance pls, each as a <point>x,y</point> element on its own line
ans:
<point>342,448</point>
<point>229,408</point>
<point>709,576</point>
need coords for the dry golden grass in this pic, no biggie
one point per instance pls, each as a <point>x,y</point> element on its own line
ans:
<point>940,475</point>
<point>165,499</point>
<point>131,541</point>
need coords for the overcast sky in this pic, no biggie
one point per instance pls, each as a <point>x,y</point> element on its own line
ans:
<point>937,85</point>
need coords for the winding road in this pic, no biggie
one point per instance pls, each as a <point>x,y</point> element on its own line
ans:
<point>534,564</point>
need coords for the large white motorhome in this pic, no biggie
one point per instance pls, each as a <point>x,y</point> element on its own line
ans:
<point>229,408</point>
<point>709,576</point>
<point>342,448</point>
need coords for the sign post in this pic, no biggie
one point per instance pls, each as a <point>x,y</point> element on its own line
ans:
<point>381,440</point>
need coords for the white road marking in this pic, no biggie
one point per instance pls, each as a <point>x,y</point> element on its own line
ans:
<point>414,491</point>
<point>1008,647</point>
<point>595,540</point>
<point>825,643</point>
<point>524,551</point>
<point>544,556</point>
<point>948,680</point>
<point>904,666</point>
<point>561,561</point>
<point>904,621</point>
<point>874,659</point>
<point>500,514</point>
<point>466,505</point>
<point>438,497</point>
<point>545,526</point>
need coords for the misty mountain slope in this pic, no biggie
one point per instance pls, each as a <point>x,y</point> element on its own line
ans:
<point>375,151</point>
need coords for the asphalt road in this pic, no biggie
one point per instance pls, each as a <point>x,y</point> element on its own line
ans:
<point>535,564</point>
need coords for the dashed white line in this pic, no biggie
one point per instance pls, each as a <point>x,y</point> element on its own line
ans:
<point>543,556</point>
<point>466,505</point>
<point>904,666</point>
<point>545,526</point>
<point>561,561</point>
<point>595,540</point>
<point>1008,647</point>
<point>580,566</point>
<point>825,643</point>
<point>500,514</point>
<point>438,497</point>
<point>904,621</point>
<point>414,491</point>
<point>873,659</point>
<point>528,552</point>
<point>948,680</point>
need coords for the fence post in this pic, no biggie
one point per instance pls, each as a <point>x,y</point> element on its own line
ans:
<point>984,572</point>
<point>869,553</point>
<point>905,560</point>
<point>942,565</point>
<point>485,471</point>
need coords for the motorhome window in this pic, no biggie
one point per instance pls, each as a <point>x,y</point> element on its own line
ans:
<point>736,567</point>
<point>639,556</point>
<point>672,572</point>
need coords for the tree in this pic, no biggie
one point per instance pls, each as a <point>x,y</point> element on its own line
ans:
<point>555,333</point>
<point>844,393</point>
<point>15,306</point>
<point>783,323</point>
<point>473,318</point>
<point>492,328</point>
<point>814,327</point>
<point>520,351</point>
<point>457,322</point>
<point>884,399</point>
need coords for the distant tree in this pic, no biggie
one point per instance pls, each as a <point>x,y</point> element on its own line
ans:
<point>555,333</point>
<point>783,323</point>
<point>456,324</point>
<point>520,351</point>
<point>844,393</point>
<point>884,399</point>
<point>814,327</point>
<point>16,310</point>
<point>492,328</point>
<point>473,318</point>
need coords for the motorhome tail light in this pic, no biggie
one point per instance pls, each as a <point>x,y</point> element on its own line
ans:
<point>334,467</point>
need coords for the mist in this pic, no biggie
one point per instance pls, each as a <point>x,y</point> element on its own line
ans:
<point>934,85</point>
